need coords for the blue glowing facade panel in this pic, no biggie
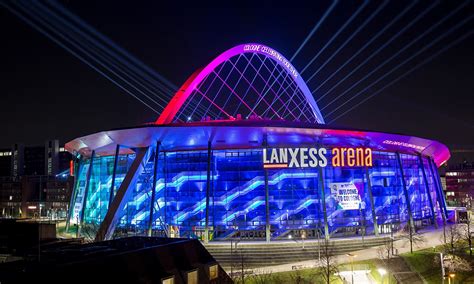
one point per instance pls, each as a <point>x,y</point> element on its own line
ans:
<point>237,200</point>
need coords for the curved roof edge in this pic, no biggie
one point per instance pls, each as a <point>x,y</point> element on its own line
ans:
<point>249,134</point>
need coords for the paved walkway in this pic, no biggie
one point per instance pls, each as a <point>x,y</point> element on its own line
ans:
<point>432,238</point>
<point>360,277</point>
<point>289,241</point>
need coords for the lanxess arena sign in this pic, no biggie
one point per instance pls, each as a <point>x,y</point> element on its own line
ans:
<point>316,157</point>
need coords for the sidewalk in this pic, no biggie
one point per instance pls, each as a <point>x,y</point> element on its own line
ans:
<point>432,238</point>
<point>288,241</point>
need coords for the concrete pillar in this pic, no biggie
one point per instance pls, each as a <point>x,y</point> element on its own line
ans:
<point>427,187</point>
<point>208,191</point>
<point>124,193</point>
<point>405,192</point>
<point>323,201</point>
<point>153,189</point>
<point>372,203</point>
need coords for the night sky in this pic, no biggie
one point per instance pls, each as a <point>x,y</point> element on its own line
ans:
<point>48,93</point>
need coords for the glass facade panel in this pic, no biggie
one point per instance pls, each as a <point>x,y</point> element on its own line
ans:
<point>185,192</point>
<point>238,192</point>
<point>432,186</point>
<point>294,201</point>
<point>237,195</point>
<point>387,189</point>
<point>100,181</point>
<point>343,220</point>
<point>419,203</point>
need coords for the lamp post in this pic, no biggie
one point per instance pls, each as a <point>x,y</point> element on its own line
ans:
<point>319,247</point>
<point>391,235</point>
<point>231,259</point>
<point>451,275</point>
<point>233,247</point>
<point>351,256</point>
<point>382,272</point>
<point>77,224</point>
<point>303,236</point>
<point>442,266</point>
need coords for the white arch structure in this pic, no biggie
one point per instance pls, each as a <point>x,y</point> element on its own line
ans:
<point>249,79</point>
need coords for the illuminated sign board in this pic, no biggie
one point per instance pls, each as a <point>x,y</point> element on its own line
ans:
<point>346,195</point>
<point>351,157</point>
<point>404,144</point>
<point>316,157</point>
<point>273,53</point>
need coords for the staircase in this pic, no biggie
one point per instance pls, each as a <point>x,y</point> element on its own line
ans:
<point>255,254</point>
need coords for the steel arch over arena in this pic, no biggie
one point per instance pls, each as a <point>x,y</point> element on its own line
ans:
<point>250,79</point>
<point>242,151</point>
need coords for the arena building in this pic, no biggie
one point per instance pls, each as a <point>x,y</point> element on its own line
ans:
<point>242,150</point>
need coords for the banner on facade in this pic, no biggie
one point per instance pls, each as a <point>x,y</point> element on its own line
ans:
<point>346,195</point>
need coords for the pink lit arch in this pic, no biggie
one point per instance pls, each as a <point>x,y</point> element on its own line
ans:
<point>249,79</point>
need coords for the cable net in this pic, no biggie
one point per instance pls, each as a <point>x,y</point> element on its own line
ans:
<point>246,86</point>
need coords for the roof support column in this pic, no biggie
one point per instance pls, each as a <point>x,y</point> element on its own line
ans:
<point>268,231</point>
<point>427,187</point>
<point>73,194</point>
<point>439,191</point>
<point>165,194</point>
<point>372,203</point>
<point>114,173</point>
<point>405,192</point>
<point>323,201</point>
<point>208,191</point>
<point>124,193</point>
<point>153,189</point>
<point>86,191</point>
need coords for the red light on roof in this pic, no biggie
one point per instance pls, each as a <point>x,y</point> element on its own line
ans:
<point>71,168</point>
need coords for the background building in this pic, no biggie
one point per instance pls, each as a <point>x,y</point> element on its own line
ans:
<point>460,184</point>
<point>127,260</point>
<point>35,181</point>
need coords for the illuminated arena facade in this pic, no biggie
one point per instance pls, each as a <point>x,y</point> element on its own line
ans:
<point>258,163</point>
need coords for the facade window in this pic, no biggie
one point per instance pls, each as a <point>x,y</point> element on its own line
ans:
<point>169,280</point>
<point>237,203</point>
<point>192,277</point>
<point>213,272</point>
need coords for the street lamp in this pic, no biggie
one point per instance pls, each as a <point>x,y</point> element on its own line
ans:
<point>351,256</point>
<point>382,273</point>
<point>451,275</point>
<point>303,236</point>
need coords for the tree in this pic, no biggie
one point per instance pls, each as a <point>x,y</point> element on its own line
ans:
<point>328,266</point>
<point>89,231</point>
<point>297,277</point>
<point>239,264</point>
<point>453,263</point>
<point>466,233</point>
<point>385,250</point>
<point>409,234</point>
<point>453,236</point>
<point>456,263</point>
<point>262,277</point>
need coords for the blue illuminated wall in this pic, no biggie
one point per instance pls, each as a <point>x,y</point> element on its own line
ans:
<point>237,195</point>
